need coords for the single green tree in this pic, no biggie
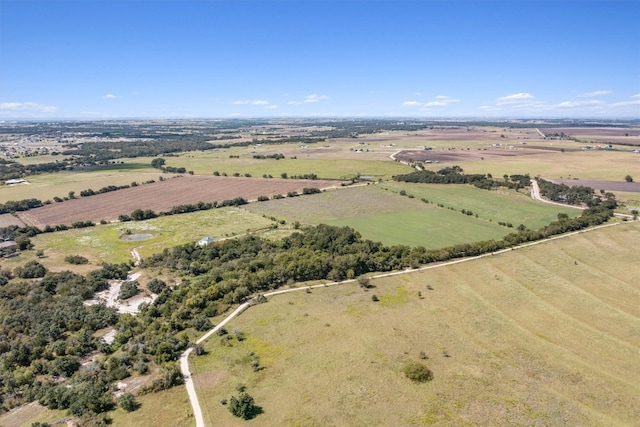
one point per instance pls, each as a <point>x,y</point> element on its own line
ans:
<point>243,407</point>
<point>127,402</point>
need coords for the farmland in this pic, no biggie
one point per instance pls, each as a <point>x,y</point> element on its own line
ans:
<point>108,242</point>
<point>162,196</point>
<point>504,337</point>
<point>386,216</point>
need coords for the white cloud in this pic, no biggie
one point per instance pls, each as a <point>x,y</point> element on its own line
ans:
<point>28,107</point>
<point>294,103</point>
<point>441,101</point>
<point>252,102</point>
<point>594,93</point>
<point>626,103</point>
<point>111,96</point>
<point>515,98</point>
<point>572,104</point>
<point>315,98</point>
<point>271,107</point>
<point>636,96</point>
<point>436,104</point>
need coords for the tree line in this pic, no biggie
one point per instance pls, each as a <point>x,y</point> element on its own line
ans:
<point>455,175</point>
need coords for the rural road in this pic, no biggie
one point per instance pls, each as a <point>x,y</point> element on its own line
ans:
<point>184,358</point>
<point>535,194</point>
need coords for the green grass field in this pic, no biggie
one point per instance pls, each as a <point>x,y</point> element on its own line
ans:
<point>500,205</point>
<point>383,215</point>
<point>59,184</point>
<point>343,169</point>
<point>105,243</point>
<point>544,335</point>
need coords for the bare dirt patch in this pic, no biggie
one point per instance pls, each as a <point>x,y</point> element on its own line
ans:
<point>7,220</point>
<point>461,155</point>
<point>162,196</point>
<point>630,187</point>
<point>624,136</point>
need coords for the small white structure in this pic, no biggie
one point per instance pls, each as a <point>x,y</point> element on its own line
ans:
<point>15,181</point>
<point>205,241</point>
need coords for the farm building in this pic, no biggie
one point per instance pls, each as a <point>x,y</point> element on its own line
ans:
<point>8,244</point>
<point>205,241</point>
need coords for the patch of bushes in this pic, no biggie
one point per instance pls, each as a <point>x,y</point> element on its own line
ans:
<point>128,289</point>
<point>76,259</point>
<point>417,372</point>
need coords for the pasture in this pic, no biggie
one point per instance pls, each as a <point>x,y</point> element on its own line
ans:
<point>59,184</point>
<point>105,243</point>
<point>505,336</point>
<point>385,216</point>
<point>326,163</point>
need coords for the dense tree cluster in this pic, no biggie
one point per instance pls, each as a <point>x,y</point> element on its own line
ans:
<point>142,147</point>
<point>46,330</point>
<point>14,170</point>
<point>276,156</point>
<point>21,205</point>
<point>575,195</point>
<point>455,175</point>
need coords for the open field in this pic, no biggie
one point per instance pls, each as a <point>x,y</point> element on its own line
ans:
<point>386,216</point>
<point>106,243</point>
<point>583,164</point>
<point>47,186</point>
<point>166,408</point>
<point>604,135</point>
<point>432,228</point>
<point>615,186</point>
<point>7,220</point>
<point>500,205</point>
<point>546,335</point>
<point>162,196</point>
<point>326,163</point>
<point>153,411</point>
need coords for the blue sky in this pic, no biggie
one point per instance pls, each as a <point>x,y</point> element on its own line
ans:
<point>97,59</point>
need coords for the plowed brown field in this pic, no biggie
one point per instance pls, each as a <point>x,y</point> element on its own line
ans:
<point>162,196</point>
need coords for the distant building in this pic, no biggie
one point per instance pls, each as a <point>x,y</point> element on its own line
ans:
<point>205,241</point>
<point>8,244</point>
<point>14,181</point>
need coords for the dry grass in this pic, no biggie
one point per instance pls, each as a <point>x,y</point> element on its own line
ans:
<point>546,335</point>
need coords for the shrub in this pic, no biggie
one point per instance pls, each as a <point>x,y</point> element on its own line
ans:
<point>201,324</point>
<point>417,372</point>
<point>128,289</point>
<point>76,259</point>
<point>127,402</point>
<point>156,286</point>
<point>31,270</point>
<point>243,407</point>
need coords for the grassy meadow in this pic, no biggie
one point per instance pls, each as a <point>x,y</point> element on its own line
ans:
<point>379,213</point>
<point>587,164</point>
<point>544,335</point>
<point>58,184</point>
<point>324,168</point>
<point>105,242</point>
